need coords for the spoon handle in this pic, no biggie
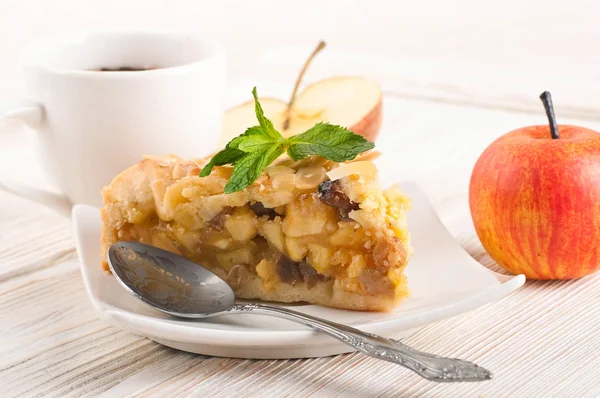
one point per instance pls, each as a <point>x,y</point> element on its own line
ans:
<point>429,366</point>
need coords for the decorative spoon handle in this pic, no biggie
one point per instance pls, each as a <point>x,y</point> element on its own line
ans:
<point>431,367</point>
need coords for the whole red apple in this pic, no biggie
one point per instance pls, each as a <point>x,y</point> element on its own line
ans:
<point>535,200</point>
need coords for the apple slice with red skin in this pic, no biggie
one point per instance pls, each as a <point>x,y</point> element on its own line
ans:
<point>352,102</point>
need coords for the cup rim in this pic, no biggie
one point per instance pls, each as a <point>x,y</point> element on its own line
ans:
<point>32,49</point>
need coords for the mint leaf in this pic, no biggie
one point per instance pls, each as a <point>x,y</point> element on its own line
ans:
<point>265,123</point>
<point>255,143</point>
<point>248,168</point>
<point>250,131</point>
<point>226,156</point>
<point>329,141</point>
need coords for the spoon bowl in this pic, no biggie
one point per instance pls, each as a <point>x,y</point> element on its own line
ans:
<point>174,285</point>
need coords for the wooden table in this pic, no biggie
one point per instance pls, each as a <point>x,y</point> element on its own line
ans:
<point>540,341</point>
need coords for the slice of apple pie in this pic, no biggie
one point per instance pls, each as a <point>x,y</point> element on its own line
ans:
<point>311,230</point>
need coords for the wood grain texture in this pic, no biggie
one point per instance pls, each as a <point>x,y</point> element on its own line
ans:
<point>540,341</point>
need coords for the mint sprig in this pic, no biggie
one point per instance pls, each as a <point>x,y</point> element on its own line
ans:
<point>254,150</point>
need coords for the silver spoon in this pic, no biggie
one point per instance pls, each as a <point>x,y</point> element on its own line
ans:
<point>172,284</point>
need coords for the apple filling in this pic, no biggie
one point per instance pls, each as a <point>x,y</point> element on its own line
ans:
<point>310,230</point>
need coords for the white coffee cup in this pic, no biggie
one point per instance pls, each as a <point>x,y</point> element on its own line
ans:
<point>92,124</point>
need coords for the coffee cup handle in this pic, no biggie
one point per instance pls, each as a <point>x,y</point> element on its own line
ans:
<point>31,114</point>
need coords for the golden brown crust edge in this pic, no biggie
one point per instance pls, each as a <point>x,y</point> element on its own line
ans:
<point>133,184</point>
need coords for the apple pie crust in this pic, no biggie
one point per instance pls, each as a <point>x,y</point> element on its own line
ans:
<point>312,230</point>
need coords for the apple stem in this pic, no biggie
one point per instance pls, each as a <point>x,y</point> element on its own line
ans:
<point>286,121</point>
<point>547,101</point>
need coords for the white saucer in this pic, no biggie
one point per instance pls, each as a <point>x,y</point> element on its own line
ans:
<point>444,281</point>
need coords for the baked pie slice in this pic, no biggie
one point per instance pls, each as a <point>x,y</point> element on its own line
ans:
<point>311,230</point>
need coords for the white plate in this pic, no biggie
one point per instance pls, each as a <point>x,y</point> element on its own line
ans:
<point>444,281</point>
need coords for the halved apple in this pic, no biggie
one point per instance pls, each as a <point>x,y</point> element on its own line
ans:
<point>352,102</point>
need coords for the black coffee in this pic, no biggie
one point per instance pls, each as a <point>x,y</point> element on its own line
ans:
<point>122,69</point>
